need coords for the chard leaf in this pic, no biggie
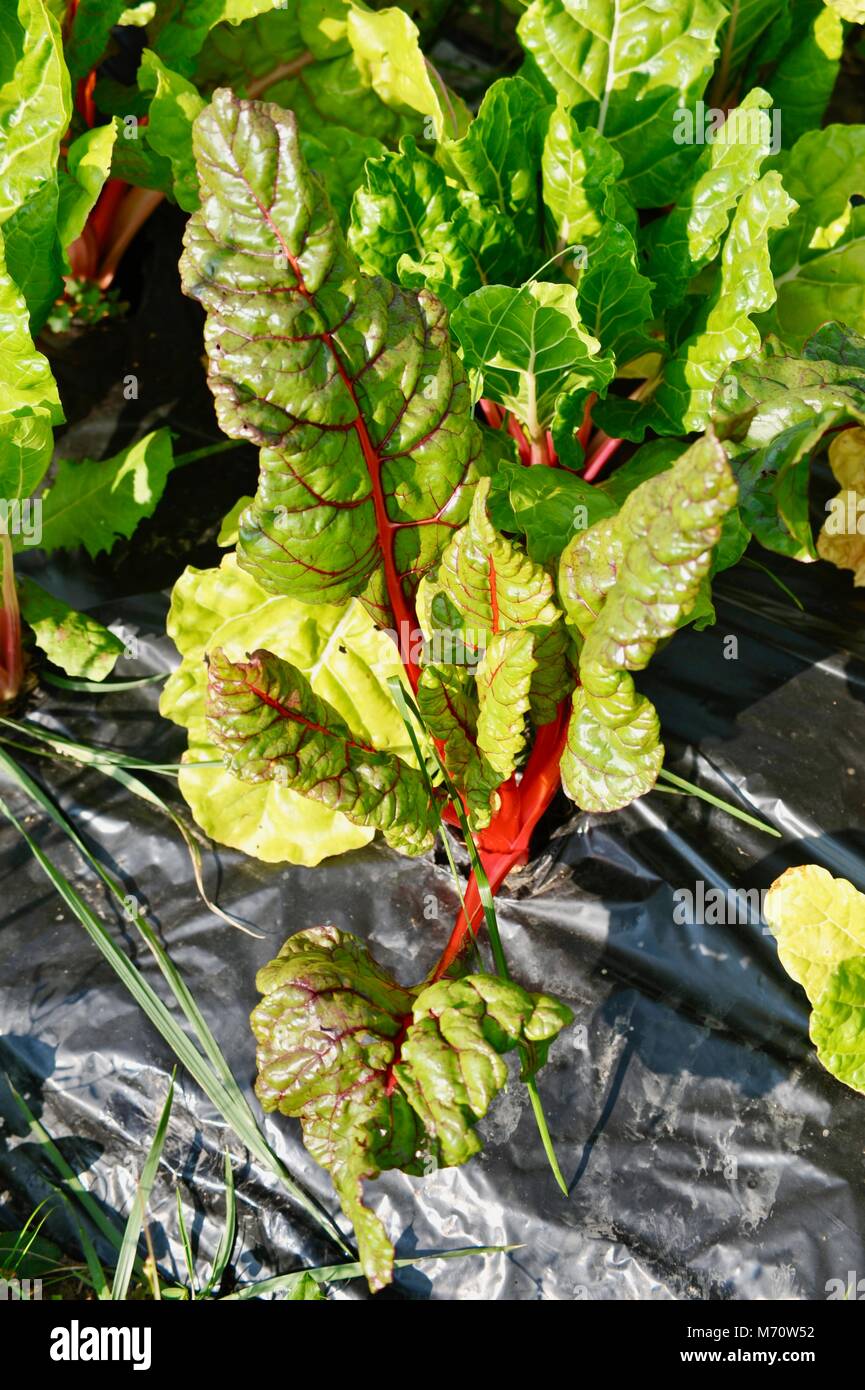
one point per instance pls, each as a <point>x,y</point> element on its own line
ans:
<point>499,154</point>
<point>818,261</point>
<point>271,726</point>
<point>580,169</point>
<point>626,68</point>
<point>89,34</point>
<point>93,503</point>
<point>449,710</point>
<point>382,1077</point>
<point>529,347</point>
<point>804,76</point>
<point>626,584</point>
<point>504,679</point>
<point>490,581</point>
<point>180,28</point>
<point>29,403</point>
<point>88,164</point>
<point>174,105</point>
<point>345,660</point>
<point>723,332</point>
<point>615,299</point>
<point>77,643</point>
<point>818,922</point>
<point>546,506</point>
<point>387,51</point>
<point>842,538</point>
<point>35,108</point>
<point>409,224</point>
<point>763,395</point>
<point>838,1023</point>
<point>680,244</point>
<point>553,677</point>
<point>349,384</point>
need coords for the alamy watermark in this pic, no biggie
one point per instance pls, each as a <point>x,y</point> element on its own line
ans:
<point>715,907</point>
<point>703,124</point>
<point>22,516</point>
<point>20,1290</point>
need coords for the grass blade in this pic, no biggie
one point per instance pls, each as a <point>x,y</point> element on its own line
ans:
<point>329,1274</point>
<point>187,1246</point>
<point>690,789</point>
<point>207,1066</point>
<point>132,1233</point>
<point>99,687</point>
<point>229,1233</point>
<point>73,1183</point>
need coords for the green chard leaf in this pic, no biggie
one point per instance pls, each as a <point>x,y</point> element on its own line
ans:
<point>680,244</point>
<point>545,506</point>
<point>498,157</point>
<point>409,224</point>
<point>348,383</point>
<point>818,261</point>
<point>271,726</point>
<point>529,348</point>
<point>77,643</point>
<point>93,503</point>
<point>35,108</point>
<point>449,709</point>
<point>723,332</point>
<point>627,68</point>
<point>383,1077</point>
<point>804,75</point>
<point>819,924</point>
<point>504,679</point>
<point>626,584</point>
<point>174,105</point>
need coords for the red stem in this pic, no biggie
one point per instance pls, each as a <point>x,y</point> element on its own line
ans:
<point>493,414</point>
<point>537,789</point>
<point>515,430</point>
<point>600,457</point>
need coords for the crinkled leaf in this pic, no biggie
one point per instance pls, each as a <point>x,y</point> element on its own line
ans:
<point>88,164</point>
<point>504,679</point>
<point>553,678</point>
<point>819,260</point>
<point>545,506</point>
<point>35,107</point>
<point>382,1077</point>
<point>818,921</point>
<point>615,299</point>
<point>499,154</point>
<point>449,710</point>
<point>838,1023</point>
<point>271,726</point>
<point>489,579</point>
<point>626,67</point>
<point>626,584</point>
<point>580,169</point>
<point>528,346</point>
<point>74,641</point>
<point>342,655</point>
<point>174,105</point>
<point>409,224</point>
<point>680,244</point>
<point>349,383</point>
<point>93,503</point>
<point>842,538</point>
<point>723,333</point>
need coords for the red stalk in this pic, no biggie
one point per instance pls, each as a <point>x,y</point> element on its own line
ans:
<point>516,432</point>
<point>492,413</point>
<point>600,457</point>
<point>586,427</point>
<point>11,655</point>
